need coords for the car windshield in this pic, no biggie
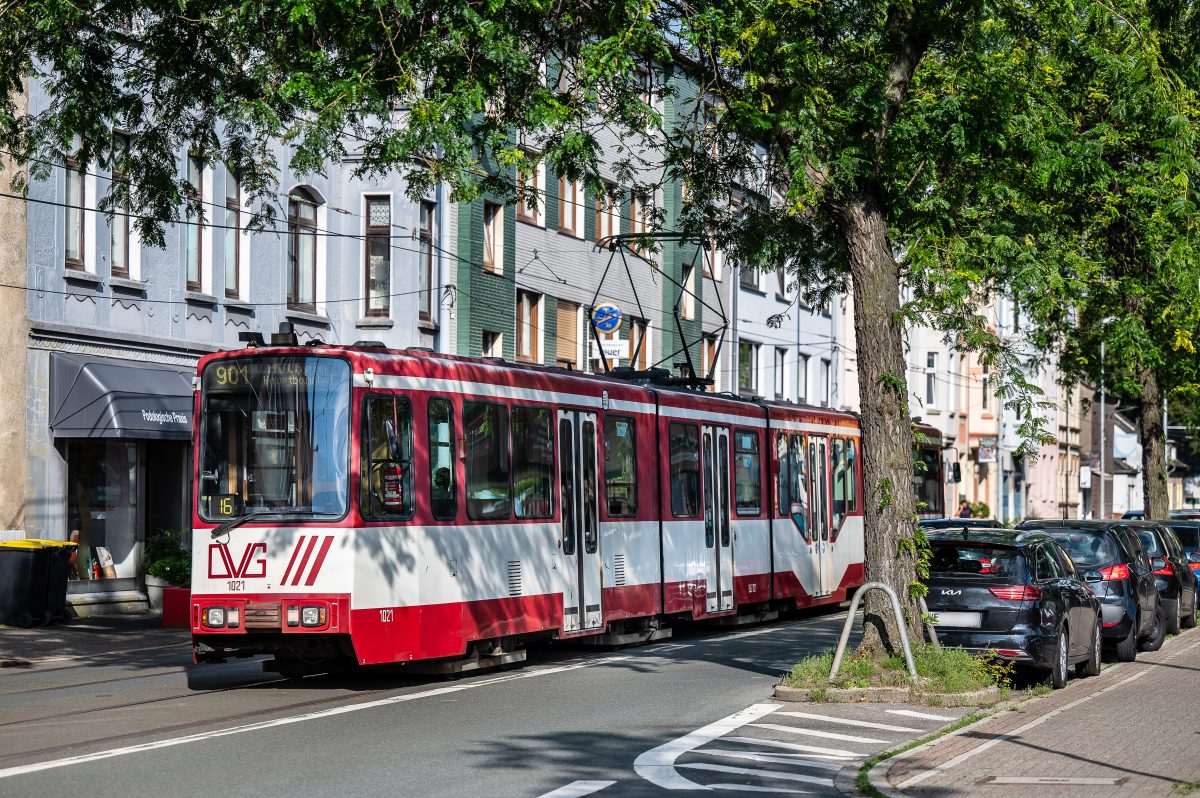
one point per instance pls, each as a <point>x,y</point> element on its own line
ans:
<point>1189,536</point>
<point>959,559</point>
<point>1150,543</point>
<point>1086,548</point>
<point>274,437</point>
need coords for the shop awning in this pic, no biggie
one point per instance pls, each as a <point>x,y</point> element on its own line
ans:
<point>94,397</point>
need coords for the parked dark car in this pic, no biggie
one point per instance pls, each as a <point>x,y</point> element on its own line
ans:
<point>1188,532</point>
<point>1133,515</point>
<point>1172,574</point>
<point>959,523</point>
<point>1113,564</point>
<point>1015,595</point>
<point>1186,515</point>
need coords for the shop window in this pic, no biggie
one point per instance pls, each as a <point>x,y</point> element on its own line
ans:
<point>747,472</point>
<point>102,508</point>
<point>385,474</point>
<point>443,504</point>
<point>620,465</point>
<point>533,462</point>
<point>485,439</point>
<point>685,470</point>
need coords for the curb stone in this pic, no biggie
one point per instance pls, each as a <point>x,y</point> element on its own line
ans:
<point>893,695</point>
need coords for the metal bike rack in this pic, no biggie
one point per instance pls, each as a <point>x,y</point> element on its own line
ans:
<point>858,594</point>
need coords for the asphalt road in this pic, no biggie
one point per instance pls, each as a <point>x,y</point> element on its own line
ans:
<point>135,728</point>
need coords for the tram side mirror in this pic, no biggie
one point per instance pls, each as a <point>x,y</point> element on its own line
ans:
<point>955,472</point>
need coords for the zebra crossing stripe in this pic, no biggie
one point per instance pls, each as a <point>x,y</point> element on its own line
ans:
<point>865,724</point>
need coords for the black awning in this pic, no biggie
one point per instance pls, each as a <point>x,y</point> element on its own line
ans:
<point>94,397</point>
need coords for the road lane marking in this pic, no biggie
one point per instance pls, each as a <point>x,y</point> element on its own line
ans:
<point>21,770</point>
<point>908,713</point>
<point>756,788</point>
<point>768,774</point>
<point>846,738</point>
<point>772,759</point>
<point>1056,780</point>
<point>848,722</point>
<point>832,753</point>
<point>577,789</point>
<point>657,765</point>
<point>767,630</point>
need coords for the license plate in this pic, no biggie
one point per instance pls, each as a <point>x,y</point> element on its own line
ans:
<point>963,620</point>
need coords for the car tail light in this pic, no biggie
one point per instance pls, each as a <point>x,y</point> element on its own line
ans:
<point>1016,592</point>
<point>1166,570</point>
<point>1114,573</point>
<point>1195,566</point>
<point>1010,652</point>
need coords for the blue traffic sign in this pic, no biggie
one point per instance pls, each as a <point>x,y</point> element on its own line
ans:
<point>606,317</point>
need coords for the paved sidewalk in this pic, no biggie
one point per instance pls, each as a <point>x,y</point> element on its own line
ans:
<point>1130,731</point>
<point>94,637</point>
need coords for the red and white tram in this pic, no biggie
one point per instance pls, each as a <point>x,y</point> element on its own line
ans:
<point>373,506</point>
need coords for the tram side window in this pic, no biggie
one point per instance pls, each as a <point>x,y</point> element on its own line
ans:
<point>851,475</point>
<point>685,470</point>
<point>620,465</point>
<point>442,503</point>
<point>781,454</point>
<point>385,474</point>
<point>533,462</point>
<point>747,472</point>
<point>485,439</point>
<point>838,456</point>
<point>798,468</point>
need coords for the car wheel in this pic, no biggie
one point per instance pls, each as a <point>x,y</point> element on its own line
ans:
<point>1059,676</point>
<point>1188,621</point>
<point>1127,648</point>
<point>1158,632</point>
<point>1091,666</point>
<point>1173,613</point>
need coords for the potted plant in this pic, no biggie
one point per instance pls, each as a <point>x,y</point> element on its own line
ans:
<point>166,564</point>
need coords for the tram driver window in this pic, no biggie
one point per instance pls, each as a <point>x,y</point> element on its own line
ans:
<point>685,470</point>
<point>442,502</point>
<point>838,456</point>
<point>747,472</point>
<point>485,439</point>
<point>533,462</point>
<point>798,488</point>
<point>386,471</point>
<point>620,465</point>
<point>784,480</point>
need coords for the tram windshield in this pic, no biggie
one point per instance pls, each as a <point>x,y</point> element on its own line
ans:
<point>927,479</point>
<point>274,437</point>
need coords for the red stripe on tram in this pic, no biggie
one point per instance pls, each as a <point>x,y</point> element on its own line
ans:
<point>312,542</point>
<point>312,577</point>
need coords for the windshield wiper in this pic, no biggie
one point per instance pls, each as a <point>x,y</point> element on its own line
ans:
<point>275,512</point>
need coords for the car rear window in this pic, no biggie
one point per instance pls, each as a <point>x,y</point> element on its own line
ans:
<point>1150,543</point>
<point>1086,548</point>
<point>955,559</point>
<point>1189,536</point>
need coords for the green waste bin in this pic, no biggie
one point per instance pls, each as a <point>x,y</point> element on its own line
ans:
<point>58,570</point>
<point>24,570</point>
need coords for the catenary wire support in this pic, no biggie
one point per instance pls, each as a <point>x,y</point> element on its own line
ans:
<point>845,638</point>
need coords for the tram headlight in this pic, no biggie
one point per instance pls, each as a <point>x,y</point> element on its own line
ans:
<point>312,616</point>
<point>214,617</point>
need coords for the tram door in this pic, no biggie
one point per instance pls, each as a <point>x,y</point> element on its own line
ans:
<point>580,520</point>
<point>818,509</point>
<point>718,544</point>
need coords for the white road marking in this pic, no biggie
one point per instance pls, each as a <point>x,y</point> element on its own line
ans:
<point>21,770</point>
<point>908,713</point>
<point>577,789</point>
<point>767,630</point>
<point>756,788</point>
<point>774,759</point>
<point>657,765</point>
<point>769,774</point>
<point>848,722</point>
<point>1056,780</point>
<point>832,753</point>
<point>848,738</point>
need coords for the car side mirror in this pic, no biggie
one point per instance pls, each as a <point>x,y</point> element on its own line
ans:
<point>1193,556</point>
<point>1092,575</point>
<point>1157,564</point>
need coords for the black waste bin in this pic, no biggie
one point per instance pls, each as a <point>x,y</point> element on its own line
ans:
<point>24,570</point>
<point>58,569</point>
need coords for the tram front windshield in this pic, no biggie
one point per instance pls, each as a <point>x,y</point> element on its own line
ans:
<point>274,437</point>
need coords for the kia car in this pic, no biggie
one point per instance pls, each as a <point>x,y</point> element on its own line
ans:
<point>1015,595</point>
<point>1113,564</point>
<point>1172,572</point>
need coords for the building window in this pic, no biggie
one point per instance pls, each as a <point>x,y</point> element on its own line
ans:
<point>747,472</point>
<point>567,344</point>
<point>608,215</point>
<point>442,499</point>
<point>747,368</point>
<point>233,235</point>
<point>748,278</point>
<point>620,465</point>
<point>425,281</point>
<point>302,251</point>
<point>528,328</point>
<point>713,261</point>
<point>74,214</point>
<point>639,344</point>
<point>780,373</point>
<point>485,460</point>
<point>531,186</point>
<point>387,457</point>
<point>685,470</point>
<point>644,80</point>
<point>493,237</point>
<point>639,221</point>
<point>193,238</point>
<point>568,205</point>
<point>687,299</point>
<point>987,387</point>
<point>708,359</point>
<point>802,378</point>
<point>931,359</point>
<point>533,462</point>
<point>781,275</point>
<point>118,253</point>
<point>493,344</point>
<point>823,382</point>
<point>378,267</point>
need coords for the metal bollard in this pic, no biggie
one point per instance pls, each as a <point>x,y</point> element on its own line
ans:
<point>858,594</point>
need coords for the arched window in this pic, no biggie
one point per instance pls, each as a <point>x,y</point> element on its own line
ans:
<point>302,251</point>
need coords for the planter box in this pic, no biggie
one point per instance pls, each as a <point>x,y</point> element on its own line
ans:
<point>175,606</point>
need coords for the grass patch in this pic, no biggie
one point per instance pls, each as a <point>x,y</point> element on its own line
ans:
<point>1186,787</point>
<point>940,670</point>
<point>1041,688</point>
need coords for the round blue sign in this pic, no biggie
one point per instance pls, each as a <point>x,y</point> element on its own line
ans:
<point>606,317</point>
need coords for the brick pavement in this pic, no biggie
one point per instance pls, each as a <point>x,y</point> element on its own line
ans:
<point>98,637</point>
<point>1136,726</point>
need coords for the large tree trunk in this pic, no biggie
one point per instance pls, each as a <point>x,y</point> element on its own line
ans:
<point>887,430</point>
<point>1154,446</point>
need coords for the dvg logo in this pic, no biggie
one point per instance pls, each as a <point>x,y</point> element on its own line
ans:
<point>221,563</point>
